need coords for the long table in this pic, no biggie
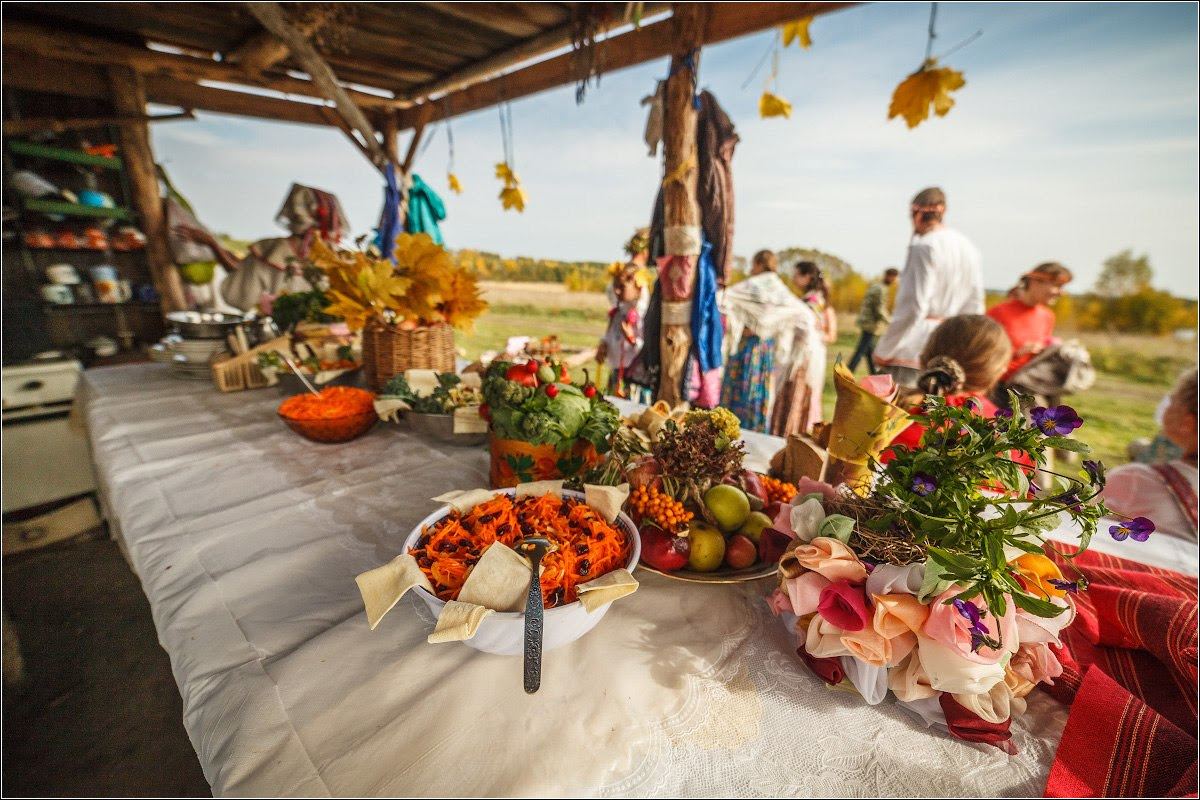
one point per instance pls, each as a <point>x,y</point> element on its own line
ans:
<point>247,539</point>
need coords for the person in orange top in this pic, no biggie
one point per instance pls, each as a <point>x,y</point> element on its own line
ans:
<point>1026,314</point>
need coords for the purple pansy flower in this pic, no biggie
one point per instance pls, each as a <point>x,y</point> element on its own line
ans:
<point>923,483</point>
<point>1065,586</point>
<point>1055,421</point>
<point>979,632</point>
<point>1095,473</point>
<point>1003,413</point>
<point>1138,529</point>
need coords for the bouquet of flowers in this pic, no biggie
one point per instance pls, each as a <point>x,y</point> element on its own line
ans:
<point>934,584</point>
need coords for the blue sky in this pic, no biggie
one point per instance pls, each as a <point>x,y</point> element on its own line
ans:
<point>1074,138</point>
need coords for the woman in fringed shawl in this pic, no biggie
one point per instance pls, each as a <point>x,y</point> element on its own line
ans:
<point>763,316</point>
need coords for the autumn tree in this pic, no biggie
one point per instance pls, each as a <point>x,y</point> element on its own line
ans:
<point>1123,275</point>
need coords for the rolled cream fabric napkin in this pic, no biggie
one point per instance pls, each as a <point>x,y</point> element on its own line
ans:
<point>389,408</point>
<point>539,488</point>
<point>382,587</point>
<point>910,684</point>
<point>891,579</point>
<point>995,706</point>
<point>806,519</point>
<point>606,499</point>
<point>605,589</point>
<point>458,621</point>
<point>949,672</point>
<point>463,500</point>
<point>499,581</point>
<point>824,640</point>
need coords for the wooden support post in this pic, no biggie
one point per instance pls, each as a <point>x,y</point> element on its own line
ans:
<point>391,130</point>
<point>129,98</point>
<point>681,210</point>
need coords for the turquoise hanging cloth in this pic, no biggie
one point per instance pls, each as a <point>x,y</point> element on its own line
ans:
<point>425,210</point>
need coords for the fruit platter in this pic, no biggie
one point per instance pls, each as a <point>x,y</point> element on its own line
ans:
<point>701,515</point>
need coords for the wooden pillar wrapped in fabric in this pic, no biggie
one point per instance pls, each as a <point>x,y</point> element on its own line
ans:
<point>681,212</point>
<point>129,98</point>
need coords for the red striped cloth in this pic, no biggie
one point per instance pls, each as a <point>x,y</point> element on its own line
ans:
<point>1130,675</point>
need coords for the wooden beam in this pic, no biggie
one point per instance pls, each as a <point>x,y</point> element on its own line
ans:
<point>22,127</point>
<point>497,16</point>
<point>34,73</point>
<point>726,21</point>
<point>129,98</point>
<point>171,92</point>
<point>530,48</point>
<point>391,130</point>
<point>273,19</point>
<point>47,43</point>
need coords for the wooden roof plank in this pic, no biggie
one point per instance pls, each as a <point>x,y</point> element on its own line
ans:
<point>530,48</point>
<point>503,17</point>
<point>725,21</point>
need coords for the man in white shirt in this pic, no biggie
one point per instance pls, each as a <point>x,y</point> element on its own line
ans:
<point>942,278</point>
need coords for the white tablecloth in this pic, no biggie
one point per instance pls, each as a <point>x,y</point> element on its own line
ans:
<point>247,540</point>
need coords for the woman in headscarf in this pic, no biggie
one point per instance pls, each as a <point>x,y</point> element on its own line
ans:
<point>763,316</point>
<point>274,265</point>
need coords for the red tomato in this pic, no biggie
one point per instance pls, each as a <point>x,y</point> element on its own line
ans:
<point>518,373</point>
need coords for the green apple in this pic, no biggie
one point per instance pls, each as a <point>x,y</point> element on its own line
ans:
<point>729,505</point>
<point>708,547</point>
<point>752,528</point>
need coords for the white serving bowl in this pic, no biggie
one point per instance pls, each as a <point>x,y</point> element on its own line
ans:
<point>503,633</point>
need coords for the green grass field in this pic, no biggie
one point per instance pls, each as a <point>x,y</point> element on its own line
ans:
<point>1133,372</point>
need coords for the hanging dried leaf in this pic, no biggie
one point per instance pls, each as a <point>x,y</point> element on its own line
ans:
<point>505,173</point>
<point>513,197</point>
<point>455,186</point>
<point>930,85</point>
<point>770,105</point>
<point>797,30</point>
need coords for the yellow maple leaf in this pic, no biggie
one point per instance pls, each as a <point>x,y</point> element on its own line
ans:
<point>455,186</point>
<point>463,303</point>
<point>505,173</point>
<point>930,85</point>
<point>770,105</point>
<point>513,197</point>
<point>797,30</point>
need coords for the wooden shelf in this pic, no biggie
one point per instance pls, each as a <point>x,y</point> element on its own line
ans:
<point>59,154</point>
<point>77,210</point>
<point>135,304</point>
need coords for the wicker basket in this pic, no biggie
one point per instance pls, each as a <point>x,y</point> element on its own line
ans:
<point>389,351</point>
<point>235,373</point>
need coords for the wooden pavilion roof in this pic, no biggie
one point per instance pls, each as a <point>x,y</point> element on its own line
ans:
<point>362,67</point>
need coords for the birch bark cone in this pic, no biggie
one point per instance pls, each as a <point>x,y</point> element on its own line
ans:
<point>680,207</point>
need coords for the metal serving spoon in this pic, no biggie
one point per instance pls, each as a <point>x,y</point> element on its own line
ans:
<point>534,548</point>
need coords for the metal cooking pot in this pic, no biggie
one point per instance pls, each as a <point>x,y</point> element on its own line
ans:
<point>205,324</point>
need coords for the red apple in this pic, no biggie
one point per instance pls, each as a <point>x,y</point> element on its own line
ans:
<point>663,551</point>
<point>643,471</point>
<point>771,544</point>
<point>749,482</point>
<point>740,552</point>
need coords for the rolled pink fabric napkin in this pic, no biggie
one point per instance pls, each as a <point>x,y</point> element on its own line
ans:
<point>809,486</point>
<point>778,601</point>
<point>843,604</point>
<point>1032,664</point>
<point>897,619</point>
<point>908,680</point>
<point>805,591</point>
<point>831,558</point>
<point>946,624</point>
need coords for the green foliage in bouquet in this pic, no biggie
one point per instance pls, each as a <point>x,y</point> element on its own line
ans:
<point>960,499</point>
<point>291,308</point>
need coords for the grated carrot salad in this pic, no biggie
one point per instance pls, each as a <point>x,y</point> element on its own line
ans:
<point>334,402</point>
<point>588,546</point>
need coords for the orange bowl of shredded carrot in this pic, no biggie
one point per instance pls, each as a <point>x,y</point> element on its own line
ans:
<point>447,544</point>
<point>337,414</point>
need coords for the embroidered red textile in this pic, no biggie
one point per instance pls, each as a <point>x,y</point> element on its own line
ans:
<point>1130,675</point>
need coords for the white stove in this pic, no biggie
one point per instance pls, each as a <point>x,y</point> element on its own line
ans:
<point>45,457</point>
